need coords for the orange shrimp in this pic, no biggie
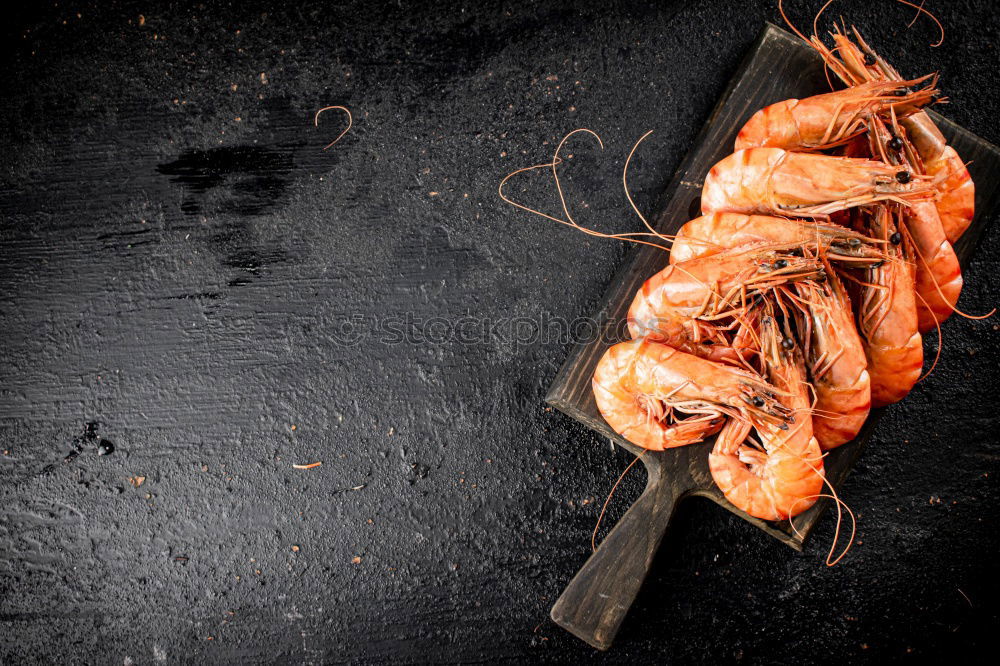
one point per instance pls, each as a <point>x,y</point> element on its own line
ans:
<point>887,318</point>
<point>957,204</point>
<point>658,398</point>
<point>831,119</point>
<point>836,360</point>
<point>938,276</point>
<point>710,234</point>
<point>858,66</point>
<point>684,304</point>
<point>938,280</point>
<point>784,476</point>
<point>773,181</point>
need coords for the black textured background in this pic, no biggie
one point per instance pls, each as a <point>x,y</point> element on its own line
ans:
<point>178,258</point>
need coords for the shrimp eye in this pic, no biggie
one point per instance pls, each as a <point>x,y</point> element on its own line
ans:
<point>780,263</point>
<point>901,92</point>
<point>896,238</point>
<point>783,426</point>
<point>758,401</point>
<point>869,60</point>
<point>708,342</point>
<point>821,276</point>
<point>903,177</point>
<point>788,343</point>
<point>895,143</point>
<point>854,242</point>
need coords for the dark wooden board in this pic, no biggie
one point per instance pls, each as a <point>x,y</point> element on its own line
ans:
<point>779,66</point>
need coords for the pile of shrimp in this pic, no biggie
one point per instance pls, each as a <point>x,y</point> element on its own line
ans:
<point>797,301</point>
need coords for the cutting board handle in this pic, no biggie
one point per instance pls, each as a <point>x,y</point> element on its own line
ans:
<point>596,601</point>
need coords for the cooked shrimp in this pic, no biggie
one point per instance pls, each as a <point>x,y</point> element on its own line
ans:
<point>784,475</point>
<point>658,398</point>
<point>684,304</point>
<point>938,280</point>
<point>957,204</point>
<point>710,234</point>
<point>887,317</point>
<point>836,361</point>
<point>861,65</point>
<point>938,276</point>
<point>831,119</point>
<point>773,181</point>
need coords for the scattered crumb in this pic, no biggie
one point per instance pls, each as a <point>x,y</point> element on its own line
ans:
<point>295,549</point>
<point>294,427</point>
<point>309,466</point>
<point>263,78</point>
<point>356,560</point>
<point>136,481</point>
<point>142,20</point>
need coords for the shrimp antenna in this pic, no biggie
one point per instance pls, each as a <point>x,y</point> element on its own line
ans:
<point>952,306</point>
<point>569,221</point>
<point>593,537</point>
<point>628,194</point>
<point>818,14</point>
<point>920,10</point>
<point>830,559</point>
<point>940,343</point>
<point>556,160</point>
<point>788,22</point>
<point>350,121</point>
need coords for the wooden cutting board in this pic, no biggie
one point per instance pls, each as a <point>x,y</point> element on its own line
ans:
<point>779,66</point>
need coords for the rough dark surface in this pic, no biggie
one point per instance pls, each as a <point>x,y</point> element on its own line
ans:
<point>188,279</point>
